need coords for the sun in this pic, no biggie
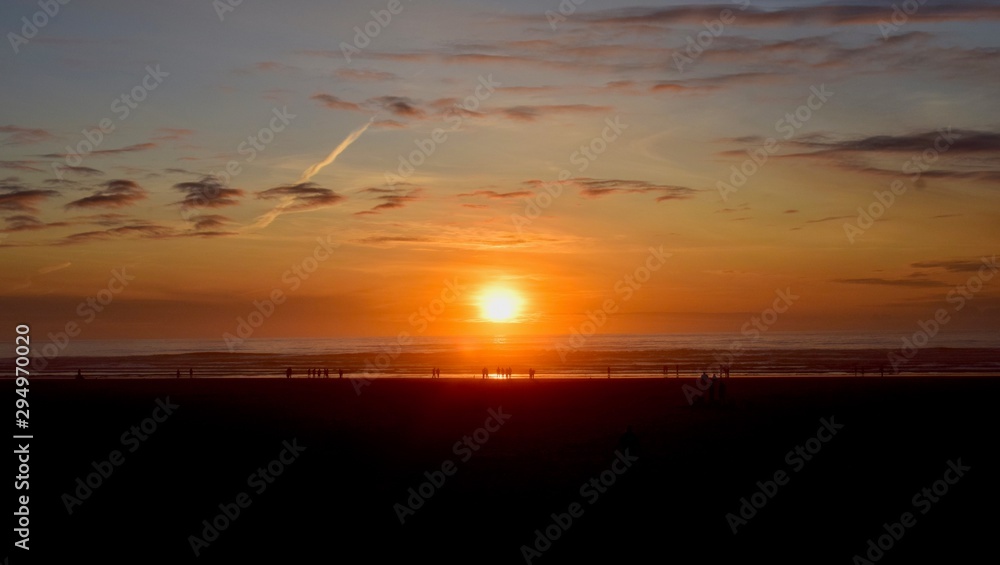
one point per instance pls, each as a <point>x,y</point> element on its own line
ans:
<point>500,305</point>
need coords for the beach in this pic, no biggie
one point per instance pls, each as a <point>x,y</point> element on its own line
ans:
<point>308,471</point>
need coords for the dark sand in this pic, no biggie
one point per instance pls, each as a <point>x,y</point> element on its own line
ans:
<point>334,503</point>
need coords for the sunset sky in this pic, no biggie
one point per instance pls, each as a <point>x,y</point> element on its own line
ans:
<point>452,127</point>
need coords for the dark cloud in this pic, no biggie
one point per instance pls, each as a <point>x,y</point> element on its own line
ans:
<point>391,199</point>
<point>399,106</point>
<point>795,16</point>
<point>116,193</point>
<point>24,222</point>
<point>209,222</point>
<point>209,192</point>
<point>500,195</point>
<point>24,136</point>
<point>27,166</point>
<point>952,266</point>
<point>911,282</point>
<point>83,171</point>
<point>303,196</point>
<point>828,219</point>
<point>133,231</point>
<point>954,140</point>
<point>331,101</point>
<point>15,197</point>
<point>598,188</point>
<point>108,219</point>
<point>101,152</point>
<point>532,113</point>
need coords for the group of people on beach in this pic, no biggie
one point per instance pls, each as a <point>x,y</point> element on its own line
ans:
<point>435,373</point>
<point>315,373</point>
<point>716,382</point>
<point>881,370</point>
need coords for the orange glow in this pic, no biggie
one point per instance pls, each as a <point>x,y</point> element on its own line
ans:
<point>500,305</point>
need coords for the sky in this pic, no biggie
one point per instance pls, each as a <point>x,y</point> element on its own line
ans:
<point>192,169</point>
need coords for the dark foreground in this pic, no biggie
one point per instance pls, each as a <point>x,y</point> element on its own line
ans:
<point>349,459</point>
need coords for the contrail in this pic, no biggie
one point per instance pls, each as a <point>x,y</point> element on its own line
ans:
<point>311,171</point>
<point>266,219</point>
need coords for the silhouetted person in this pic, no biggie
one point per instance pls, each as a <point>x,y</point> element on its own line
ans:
<point>881,370</point>
<point>326,373</point>
<point>288,373</point>
<point>341,373</point>
<point>190,373</point>
<point>609,372</point>
<point>79,375</point>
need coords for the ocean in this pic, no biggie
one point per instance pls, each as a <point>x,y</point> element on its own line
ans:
<point>770,353</point>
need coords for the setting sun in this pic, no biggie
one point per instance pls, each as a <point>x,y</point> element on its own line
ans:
<point>500,305</point>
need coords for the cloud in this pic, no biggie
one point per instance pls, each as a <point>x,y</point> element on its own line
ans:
<point>84,171</point>
<point>24,222</point>
<point>380,239</point>
<point>133,231</point>
<point>500,195</point>
<point>952,266</point>
<point>24,136</point>
<point>15,197</point>
<point>391,198</point>
<point>955,140</point>
<point>795,16</point>
<point>399,106</point>
<point>532,113</point>
<point>331,101</point>
<point>210,222</point>
<point>169,134</point>
<point>302,196</point>
<point>27,166</point>
<point>911,282</point>
<point>366,75</point>
<point>209,192</point>
<point>959,154</point>
<point>116,193</point>
<point>827,219</point>
<point>598,188</point>
<point>102,152</point>
<point>107,219</point>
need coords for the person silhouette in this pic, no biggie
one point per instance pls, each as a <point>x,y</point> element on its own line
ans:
<point>341,371</point>
<point>288,373</point>
<point>190,373</point>
<point>79,375</point>
<point>326,373</point>
<point>609,372</point>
